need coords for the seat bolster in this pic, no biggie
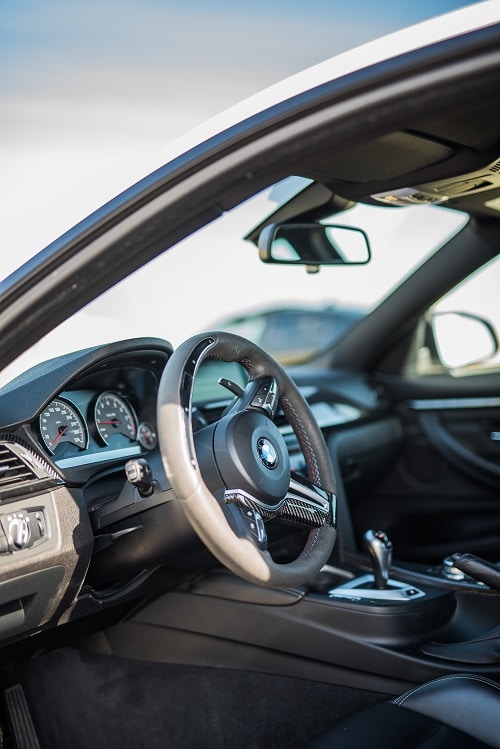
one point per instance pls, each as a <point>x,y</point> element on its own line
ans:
<point>468,702</point>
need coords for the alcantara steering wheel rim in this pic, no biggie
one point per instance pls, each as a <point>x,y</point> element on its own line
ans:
<point>258,462</point>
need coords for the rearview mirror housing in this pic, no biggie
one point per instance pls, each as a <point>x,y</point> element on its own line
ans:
<point>313,245</point>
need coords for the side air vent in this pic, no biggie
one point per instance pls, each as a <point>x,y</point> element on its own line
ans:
<point>22,470</point>
<point>12,469</point>
<point>495,167</point>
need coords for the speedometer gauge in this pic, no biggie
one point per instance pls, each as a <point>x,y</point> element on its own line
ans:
<point>61,426</point>
<point>114,418</point>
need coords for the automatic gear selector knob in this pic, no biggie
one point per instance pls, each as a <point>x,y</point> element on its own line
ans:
<point>379,547</point>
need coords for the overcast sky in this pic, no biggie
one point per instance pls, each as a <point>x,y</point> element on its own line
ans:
<point>92,90</point>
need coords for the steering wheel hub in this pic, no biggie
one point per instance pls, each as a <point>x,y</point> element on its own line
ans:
<point>251,455</point>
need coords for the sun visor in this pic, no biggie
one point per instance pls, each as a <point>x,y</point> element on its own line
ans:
<point>383,158</point>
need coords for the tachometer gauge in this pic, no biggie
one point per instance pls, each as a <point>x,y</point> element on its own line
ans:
<point>61,426</point>
<point>114,418</point>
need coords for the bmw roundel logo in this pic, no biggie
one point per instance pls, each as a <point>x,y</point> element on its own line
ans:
<point>267,453</point>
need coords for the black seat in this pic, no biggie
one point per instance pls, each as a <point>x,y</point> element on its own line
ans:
<point>459,711</point>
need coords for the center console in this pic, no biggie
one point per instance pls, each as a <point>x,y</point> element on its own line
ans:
<point>447,617</point>
<point>365,622</point>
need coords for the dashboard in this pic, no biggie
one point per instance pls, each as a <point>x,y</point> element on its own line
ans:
<point>88,409</point>
<point>68,515</point>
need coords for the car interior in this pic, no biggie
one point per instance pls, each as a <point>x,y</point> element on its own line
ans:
<point>300,555</point>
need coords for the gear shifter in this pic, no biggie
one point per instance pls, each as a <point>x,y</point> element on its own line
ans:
<point>377,588</point>
<point>379,548</point>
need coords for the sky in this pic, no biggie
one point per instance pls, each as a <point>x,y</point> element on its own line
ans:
<point>91,91</point>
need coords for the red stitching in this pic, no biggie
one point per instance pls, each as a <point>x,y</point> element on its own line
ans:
<point>309,453</point>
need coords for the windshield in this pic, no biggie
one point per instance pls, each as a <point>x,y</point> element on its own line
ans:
<point>215,280</point>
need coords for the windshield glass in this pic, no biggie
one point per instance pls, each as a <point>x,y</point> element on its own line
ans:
<point>215,280</point>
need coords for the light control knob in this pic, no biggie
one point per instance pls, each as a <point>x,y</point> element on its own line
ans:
<point>19,530</point>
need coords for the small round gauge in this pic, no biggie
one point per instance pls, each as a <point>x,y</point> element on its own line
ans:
<point>61,426</point>
<point>146,436</point>
<point>114,417</point>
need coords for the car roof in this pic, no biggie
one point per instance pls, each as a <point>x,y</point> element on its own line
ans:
<point>440,28</point>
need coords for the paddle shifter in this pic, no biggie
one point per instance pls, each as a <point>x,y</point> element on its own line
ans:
<point>379,548</point>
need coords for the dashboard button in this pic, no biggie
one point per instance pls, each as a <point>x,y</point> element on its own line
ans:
<point>40,524</point>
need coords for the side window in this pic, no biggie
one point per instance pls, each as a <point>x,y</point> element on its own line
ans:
<point>462,330</point>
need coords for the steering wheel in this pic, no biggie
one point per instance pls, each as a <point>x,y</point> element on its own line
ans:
<point>232,476</point>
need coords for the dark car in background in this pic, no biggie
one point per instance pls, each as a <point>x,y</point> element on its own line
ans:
<point>293,335</point>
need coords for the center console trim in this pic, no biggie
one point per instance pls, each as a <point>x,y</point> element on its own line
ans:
<point>362,588</point>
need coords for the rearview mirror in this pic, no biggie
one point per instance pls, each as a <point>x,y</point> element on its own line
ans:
<point>313,245</point>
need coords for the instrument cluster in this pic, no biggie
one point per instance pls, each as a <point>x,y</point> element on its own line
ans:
<point>88,425</point>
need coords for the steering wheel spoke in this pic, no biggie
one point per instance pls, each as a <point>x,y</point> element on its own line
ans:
<point>308,504</point>
<point>304,503</point>
<point>249,524</point>
<point>266,396</point>
<point>261,395</point>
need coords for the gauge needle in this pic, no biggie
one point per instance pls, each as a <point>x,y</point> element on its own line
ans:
<point>114,422</point>
<point>62,432</point>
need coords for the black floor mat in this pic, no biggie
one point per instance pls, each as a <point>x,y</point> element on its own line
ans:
<point>81,700</point>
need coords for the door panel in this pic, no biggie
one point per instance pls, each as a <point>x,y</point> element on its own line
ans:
<point>442,493</point>
<point>470,444</point>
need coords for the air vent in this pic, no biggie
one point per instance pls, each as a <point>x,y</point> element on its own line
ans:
<point>495,167</point>
<point>12,469</point>
<point>22,470</point>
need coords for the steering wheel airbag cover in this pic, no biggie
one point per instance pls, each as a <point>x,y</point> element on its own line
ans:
<point>258,458</point>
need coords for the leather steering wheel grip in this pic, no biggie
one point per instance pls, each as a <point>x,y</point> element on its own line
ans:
<point>201,508</point>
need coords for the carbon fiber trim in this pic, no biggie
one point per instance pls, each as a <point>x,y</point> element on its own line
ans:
<point>298,511</point>
<point>304,503</point>
<point>22,470</point>
<point>417,577</point>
